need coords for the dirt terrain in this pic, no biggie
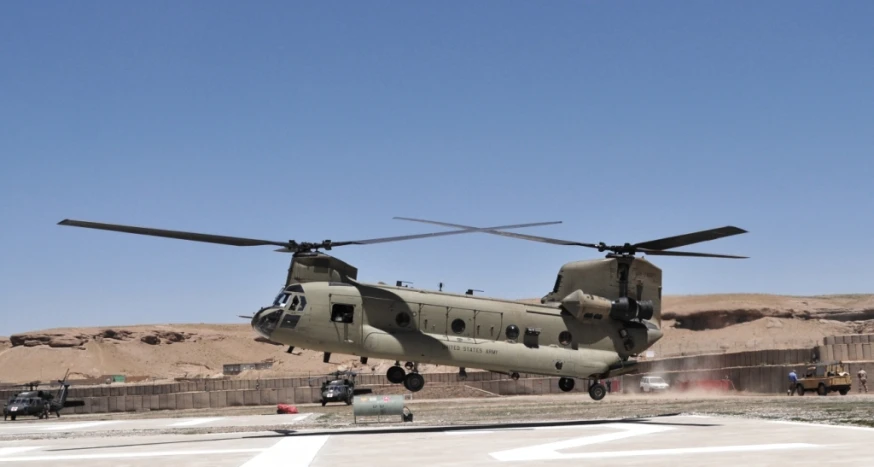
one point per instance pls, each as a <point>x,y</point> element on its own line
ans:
<point>693,324</point>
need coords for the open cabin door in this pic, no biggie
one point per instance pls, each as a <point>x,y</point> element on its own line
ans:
<point>346,316</point>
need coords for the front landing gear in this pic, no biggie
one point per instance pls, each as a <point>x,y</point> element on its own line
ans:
<point>413,381</point>
<point>597,391</point>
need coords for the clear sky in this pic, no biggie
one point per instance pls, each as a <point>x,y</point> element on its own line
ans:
<point>627,121</point>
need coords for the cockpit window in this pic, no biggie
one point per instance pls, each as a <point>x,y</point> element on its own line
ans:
<point>268,322</point>
<point>281,299</point>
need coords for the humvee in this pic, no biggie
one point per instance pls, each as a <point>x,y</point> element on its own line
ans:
<point>824,378</point>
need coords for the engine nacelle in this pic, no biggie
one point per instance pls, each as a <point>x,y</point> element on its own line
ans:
<point>582,305</point>
<point>628,309</point>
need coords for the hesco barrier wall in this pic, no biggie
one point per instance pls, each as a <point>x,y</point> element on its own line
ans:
<point>753,371</point>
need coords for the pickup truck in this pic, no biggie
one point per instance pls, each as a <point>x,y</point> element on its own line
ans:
<point>825,378</point>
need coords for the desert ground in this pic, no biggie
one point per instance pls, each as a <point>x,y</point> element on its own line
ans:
<point>692,324</point>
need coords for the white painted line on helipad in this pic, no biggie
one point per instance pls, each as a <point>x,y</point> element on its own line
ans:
<point>124,455</point>
<point>550,450</point>
<point>294,451</point>
<point>16,450</point>
<point>77,425</point>
<point>822,425</point>
<point>553,455</point>
<point>302,416</point>
<point>196,421</point>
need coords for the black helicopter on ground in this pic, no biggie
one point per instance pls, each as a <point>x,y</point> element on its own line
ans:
<point>337,389</point>
<point>39,403</point>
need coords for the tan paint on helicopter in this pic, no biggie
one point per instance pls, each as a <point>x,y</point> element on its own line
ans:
<point>483,342</point>
<point>582,303</point>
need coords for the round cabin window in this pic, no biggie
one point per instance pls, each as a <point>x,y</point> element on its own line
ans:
<point>512,331</point>
<point>564,338</point>
<point>402,319</point>
<point>457,326</point>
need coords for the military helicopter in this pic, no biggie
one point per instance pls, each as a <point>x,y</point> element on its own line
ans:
<point>39,403</point>
<point>337,389</point>
<point>599,314</point>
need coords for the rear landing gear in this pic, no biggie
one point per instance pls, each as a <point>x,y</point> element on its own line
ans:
<point>597,391</point>
<point>413,381</point>
<point>395,375</point>
<point>566,384</point>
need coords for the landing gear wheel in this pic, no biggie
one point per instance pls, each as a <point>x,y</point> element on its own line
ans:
<point>414,382</point>
<point>514,376</point>
<point>566,384</point>
<point>395,375</point>
<point>597,391</point>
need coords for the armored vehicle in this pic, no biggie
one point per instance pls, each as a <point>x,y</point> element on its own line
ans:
<point>824,378</point>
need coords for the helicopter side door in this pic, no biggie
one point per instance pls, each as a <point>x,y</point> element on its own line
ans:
<point>346,316</point>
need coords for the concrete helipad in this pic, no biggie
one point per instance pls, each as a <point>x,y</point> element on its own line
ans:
<point>675,440</point>
<point>57,426</point>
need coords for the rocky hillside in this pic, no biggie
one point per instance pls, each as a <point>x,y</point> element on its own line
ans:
<point>693,324</point>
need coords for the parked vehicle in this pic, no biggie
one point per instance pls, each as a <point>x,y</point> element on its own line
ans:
<point>653,384</point>
<point>824,378</point>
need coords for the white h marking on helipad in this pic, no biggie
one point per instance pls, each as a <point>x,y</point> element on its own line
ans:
<point>549,451</point>
<point>196,421</point>
<point>294,451</point>
<point>16,450</point>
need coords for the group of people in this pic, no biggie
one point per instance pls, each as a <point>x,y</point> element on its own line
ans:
<point>862,375</point>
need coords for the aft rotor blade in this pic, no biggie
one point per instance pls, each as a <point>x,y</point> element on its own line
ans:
<point>690,238</point>
<point>196,237</point>
<point>687,253</point>
<point>464,229</point>
<point>494,231</point>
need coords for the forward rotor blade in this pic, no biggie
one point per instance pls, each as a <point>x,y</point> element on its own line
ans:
<point>464,229</point>
<point>427,235</point>
<point>196,237</point>
<point>494,231</point>
<point>686,253</point>
<point>690,238</point>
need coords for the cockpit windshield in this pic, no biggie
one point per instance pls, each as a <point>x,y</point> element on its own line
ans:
<point>281,299</point>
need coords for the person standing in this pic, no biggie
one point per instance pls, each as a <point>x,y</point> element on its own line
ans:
<point>793,378</point>
<point>863,380</point>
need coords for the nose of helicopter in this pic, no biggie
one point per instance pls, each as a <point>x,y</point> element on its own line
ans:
<point>265,320</point>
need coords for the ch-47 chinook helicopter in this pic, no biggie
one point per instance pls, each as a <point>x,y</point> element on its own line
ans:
<point>599,315</point>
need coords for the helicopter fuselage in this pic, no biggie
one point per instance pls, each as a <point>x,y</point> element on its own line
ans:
<point>423,326</point>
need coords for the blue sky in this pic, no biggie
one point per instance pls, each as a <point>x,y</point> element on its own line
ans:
<point>625,120</point>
